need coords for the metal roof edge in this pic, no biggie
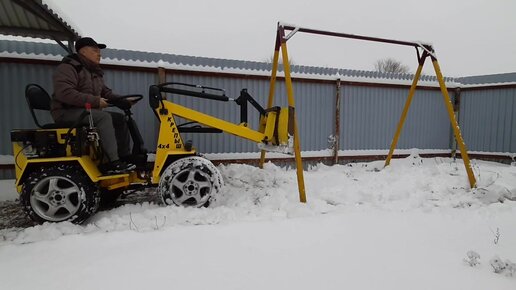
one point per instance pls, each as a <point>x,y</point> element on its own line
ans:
<point>18,49</point>
<point>58,16</point>
<point>34,18</point>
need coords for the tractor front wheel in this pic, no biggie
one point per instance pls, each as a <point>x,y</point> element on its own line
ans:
<point>190,182</point>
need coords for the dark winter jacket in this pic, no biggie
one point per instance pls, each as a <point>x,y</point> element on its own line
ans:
<point>77,81</point>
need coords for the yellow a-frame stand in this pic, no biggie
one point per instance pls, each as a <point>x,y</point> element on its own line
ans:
<point>423,52</point>
<point>428,51</point>
<point>281,43</point>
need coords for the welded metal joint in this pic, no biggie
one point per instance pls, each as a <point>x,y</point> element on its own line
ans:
<point>421,58</point>
<point>428,49</point>
<point>291,33</point>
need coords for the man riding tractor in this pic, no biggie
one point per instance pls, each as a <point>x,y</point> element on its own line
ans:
<point>79,80</point>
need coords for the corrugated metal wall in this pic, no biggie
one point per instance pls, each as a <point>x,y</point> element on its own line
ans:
<point>7,173</point>
<point>488,119</point>
<point>369,116</point>
<point>14,109</point>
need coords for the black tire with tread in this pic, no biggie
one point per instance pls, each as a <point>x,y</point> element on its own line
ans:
<point>89,197</point>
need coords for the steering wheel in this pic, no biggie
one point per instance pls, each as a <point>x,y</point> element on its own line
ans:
<point>122,101</point>
<point>131,98</point>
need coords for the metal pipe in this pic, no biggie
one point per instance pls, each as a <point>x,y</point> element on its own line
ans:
<point>272,86</point>
<point>405,109</point>
<point>455,126</point>
<point>353,36</point>
<point>291,103</point>
<point>195,94</point>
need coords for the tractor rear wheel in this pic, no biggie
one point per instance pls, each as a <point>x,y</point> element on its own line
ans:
<point>190,182</point>
<point>59,193</point>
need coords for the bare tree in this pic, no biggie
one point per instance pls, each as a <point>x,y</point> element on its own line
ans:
<point>390,65</point>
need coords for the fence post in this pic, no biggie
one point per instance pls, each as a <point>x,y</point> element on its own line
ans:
<point>456,110</point>
<point>336,144</point>
<point>162,75</point>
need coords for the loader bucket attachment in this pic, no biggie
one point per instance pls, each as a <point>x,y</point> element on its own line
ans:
<point>279,130</point>
<point>285,125</point>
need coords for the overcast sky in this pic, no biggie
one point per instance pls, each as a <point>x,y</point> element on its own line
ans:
<point>471,37</point>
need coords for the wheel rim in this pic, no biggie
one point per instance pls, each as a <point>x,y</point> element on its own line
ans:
<point>190,187</point>
<point>55,198</point>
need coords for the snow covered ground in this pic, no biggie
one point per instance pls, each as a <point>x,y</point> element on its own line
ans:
<point>407,226</point>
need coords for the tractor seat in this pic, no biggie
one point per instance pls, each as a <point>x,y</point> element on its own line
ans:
<point>38,99</point>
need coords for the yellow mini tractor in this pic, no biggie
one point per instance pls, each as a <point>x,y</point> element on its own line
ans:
<point>57,165</point>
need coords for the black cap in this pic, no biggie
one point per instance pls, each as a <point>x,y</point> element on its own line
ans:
<point>87,41</point>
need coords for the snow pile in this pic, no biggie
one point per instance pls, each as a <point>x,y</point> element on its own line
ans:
<point>253,194</point>
<point>413,225</point>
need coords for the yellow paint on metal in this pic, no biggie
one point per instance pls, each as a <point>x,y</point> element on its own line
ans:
<point>272,88</point>
<point>283,126</point>
<point>210,121</point>
<point>405,111</point>
<point>291,103</point>
<point>22,163</point>
<point>270,127</point>
<point>62,133</point>
<point>262,159</point>
<point>88,165</point>
<point>115,183</point>
<point>91,168</point>
<point>263,121</point>
<point>455,125</point>
<point>169,142</point>
<point>451,115</point>
<point>21,160</point>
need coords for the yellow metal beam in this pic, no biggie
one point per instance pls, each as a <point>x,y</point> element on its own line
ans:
<point>270,125</point>
<point>454,124</point>
<point>405,110</point>
<point>291,103</point>
<point>237,130</point>
<point>170,143</point>
<point>272,86</point>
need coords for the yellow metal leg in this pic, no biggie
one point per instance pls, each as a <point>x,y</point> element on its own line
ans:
<point>262,159</point>
<point>455,125</point>
<point>405,111</point>
<point>297,145</point>
<point>272,87</point>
